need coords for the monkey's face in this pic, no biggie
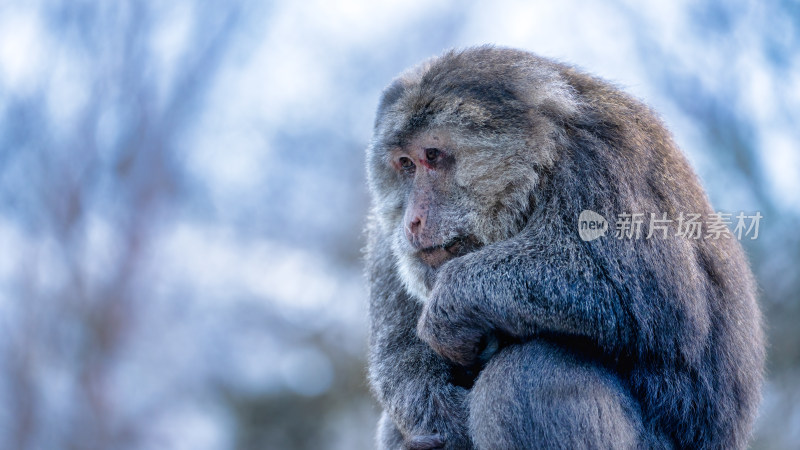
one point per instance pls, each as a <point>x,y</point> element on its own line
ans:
<point>442,193</point>
<point>457,155</point>
<point>435,221</point>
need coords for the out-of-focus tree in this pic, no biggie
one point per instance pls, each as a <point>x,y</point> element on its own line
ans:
<point>89,169</point>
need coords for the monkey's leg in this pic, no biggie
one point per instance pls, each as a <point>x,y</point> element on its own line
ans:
<point>538,395</point>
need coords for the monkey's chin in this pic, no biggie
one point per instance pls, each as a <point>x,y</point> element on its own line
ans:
<point>417,277</point>
<point>418,269</point>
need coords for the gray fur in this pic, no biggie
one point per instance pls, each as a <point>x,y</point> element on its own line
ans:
<point>536,339</point>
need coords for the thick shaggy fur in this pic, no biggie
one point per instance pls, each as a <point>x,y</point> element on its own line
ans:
<point>612,343</point>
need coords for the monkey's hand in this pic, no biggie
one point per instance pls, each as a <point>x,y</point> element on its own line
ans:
<point>451,322</point>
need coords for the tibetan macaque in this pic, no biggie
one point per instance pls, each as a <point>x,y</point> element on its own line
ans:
<point>494,325</point>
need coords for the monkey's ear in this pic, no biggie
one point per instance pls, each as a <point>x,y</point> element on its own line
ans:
<point>390,96</point>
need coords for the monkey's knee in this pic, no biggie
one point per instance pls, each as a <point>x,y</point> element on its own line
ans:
<point>389,437</point>
<point>537,395</point>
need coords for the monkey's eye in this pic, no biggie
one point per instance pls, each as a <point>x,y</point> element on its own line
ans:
<point>406,163</point>
<point>431,154</point>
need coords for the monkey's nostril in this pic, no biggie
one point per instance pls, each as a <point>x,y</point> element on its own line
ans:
<point>415,225</point>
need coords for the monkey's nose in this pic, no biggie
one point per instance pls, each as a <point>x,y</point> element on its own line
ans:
<point>414,229</point>
<point>415,225</point>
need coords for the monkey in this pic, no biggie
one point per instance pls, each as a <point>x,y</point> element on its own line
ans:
<point>493,324</point>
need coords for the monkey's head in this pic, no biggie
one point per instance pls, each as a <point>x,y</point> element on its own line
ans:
<point>461,146</point>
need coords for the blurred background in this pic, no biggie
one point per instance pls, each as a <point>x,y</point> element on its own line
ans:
<point>182,197</point>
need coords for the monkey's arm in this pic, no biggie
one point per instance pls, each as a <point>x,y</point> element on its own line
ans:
<point>534,283</point>
<point>410,380</point>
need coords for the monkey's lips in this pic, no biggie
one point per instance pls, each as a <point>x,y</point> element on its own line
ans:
<point>437,255</point>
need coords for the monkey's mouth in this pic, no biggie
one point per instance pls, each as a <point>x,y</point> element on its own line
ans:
<point>437,255</point>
